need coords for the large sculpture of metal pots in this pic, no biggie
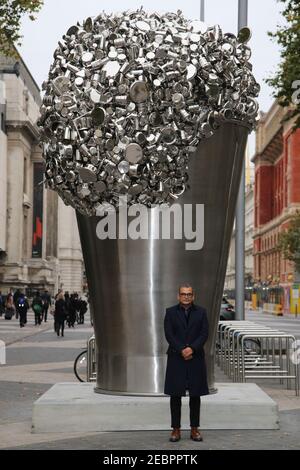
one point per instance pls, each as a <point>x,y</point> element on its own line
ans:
<point>154,108</point>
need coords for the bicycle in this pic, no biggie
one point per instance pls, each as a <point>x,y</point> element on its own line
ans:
<point>80,366</point>
<point>251,346</point>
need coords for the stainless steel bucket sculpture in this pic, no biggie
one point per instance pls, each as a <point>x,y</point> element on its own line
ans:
<point>128,99</point>
<point>131,282</point>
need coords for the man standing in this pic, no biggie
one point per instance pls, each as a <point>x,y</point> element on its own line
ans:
<point>186,331</point>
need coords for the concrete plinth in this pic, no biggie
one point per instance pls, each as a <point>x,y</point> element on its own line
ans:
<point>71,407</point>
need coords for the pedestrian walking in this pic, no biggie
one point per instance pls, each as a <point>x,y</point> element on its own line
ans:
<point>53,312</point>
<point>22,309</point>
<point>37,307</point>
<point>67,306</point>
<point>1,304</point>
<point>60,313</point>
<point>82,310</point>
<point>46,298</point>
<point>186,331</point>
<point>72,309</point>
<point>16,296</point>
<point>9,307</point>
<point>58,292</point>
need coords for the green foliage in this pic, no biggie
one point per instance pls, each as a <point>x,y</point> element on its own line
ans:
<point>284,81</point>
<point>11,12</point>
<point>289,241</point>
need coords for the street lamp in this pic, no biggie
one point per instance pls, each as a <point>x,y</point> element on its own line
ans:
<point>240,208</point>
<point>202,10</point>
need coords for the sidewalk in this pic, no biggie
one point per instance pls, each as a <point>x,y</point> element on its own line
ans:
<point>287,438</point>
<point>15,435</point>
<point>35,364</point>
<point>18,436</point>
<point>10,331</point>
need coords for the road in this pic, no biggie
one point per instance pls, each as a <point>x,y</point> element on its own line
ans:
<point>287,323</point>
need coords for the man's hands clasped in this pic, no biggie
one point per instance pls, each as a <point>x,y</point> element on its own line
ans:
<point>187,353</point>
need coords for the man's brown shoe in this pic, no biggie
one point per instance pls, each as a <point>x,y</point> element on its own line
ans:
<point>196,435</point>
<point>175,435</point>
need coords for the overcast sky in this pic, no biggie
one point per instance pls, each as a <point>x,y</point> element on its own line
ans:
<point>41,36</point>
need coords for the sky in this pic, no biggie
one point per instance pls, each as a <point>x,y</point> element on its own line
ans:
<point>41,36</point>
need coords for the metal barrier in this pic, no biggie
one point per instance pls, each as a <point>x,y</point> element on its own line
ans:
<point>271,360</point>
<point>233,341</point>
<point>257,360</point>
<point>230,344</point>
<point>91,360</point>
<point>284,369</point>
<point>223,347</point>
<point>267,357</point>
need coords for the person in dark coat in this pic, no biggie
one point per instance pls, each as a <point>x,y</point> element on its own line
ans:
<point>46,303</point>
<point>55,298</point>
<point>68,305</point>
<point>16,298</point>
<point>82,310</point>
<point>72,310</point>
<point>186,331</point>
<point>60,313</point>
<point>22,308</point>
<point>37,307</point>
<point>10,308</point>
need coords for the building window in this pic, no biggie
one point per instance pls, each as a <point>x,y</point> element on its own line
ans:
<point>25,179</point>
<point>3,122</point>
<point>26,101</point>
<point>25,228</point>
<point>37,238</point>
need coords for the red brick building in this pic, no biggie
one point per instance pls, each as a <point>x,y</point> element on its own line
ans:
<point>276,196</point>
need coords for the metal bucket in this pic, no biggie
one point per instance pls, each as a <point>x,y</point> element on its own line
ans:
<point>131,282</point>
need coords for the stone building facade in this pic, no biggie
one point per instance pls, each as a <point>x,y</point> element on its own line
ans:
<point>3,170</point>
<point>249,219</point>
<point>39,241</point>
<point>249,224</point>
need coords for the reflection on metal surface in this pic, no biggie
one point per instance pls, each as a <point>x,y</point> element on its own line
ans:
<point>131,282</point>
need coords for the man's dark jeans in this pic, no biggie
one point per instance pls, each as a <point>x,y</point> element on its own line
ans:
<point>45,312</point>
<point>175,406</point>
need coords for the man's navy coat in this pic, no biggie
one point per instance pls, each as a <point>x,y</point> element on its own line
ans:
<point>184,374</point>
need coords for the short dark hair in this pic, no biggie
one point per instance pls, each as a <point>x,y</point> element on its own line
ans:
<point>185,284</point>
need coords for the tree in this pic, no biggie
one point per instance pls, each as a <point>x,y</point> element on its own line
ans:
<point>11,12</point>
<point>286,81</point>
<point>289,241</point>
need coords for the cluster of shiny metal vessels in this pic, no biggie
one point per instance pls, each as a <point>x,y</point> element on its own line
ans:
<point>128,98</point>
